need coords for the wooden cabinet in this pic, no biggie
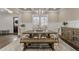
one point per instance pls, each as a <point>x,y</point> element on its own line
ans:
<point>67,33</point>
<point>71,36</point>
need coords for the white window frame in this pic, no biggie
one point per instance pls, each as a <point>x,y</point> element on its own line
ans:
<point>39,22</point>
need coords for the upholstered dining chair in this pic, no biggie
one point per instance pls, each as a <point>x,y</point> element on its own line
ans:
<point>35,36</point>
<point>43,36</point>
<point>57,36</point>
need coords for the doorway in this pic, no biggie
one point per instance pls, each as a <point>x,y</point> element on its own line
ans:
<point>15,25</point>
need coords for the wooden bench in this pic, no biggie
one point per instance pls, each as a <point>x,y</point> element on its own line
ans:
<point>28,41</point>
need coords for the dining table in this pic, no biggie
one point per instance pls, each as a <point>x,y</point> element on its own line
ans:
<point>31,39</point>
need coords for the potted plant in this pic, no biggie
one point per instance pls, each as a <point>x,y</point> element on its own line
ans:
<point>22,25</point>
<point>65,23</point>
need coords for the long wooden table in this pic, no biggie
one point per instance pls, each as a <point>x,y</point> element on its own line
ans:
<point>30,40</point>
<point>39,32</point>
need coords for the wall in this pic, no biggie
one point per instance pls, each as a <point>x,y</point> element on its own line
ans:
<point>73,24</point>
<point>54,26</point>
<point>71,15</point>
<point>53,22</point>
<point>53,16</point>
<point>6,23</point>
<point>55,19</point>
<point>26,17</point>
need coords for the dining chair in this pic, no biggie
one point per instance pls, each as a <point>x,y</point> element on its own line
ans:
<point>35,36</point>
<point>43,36</point>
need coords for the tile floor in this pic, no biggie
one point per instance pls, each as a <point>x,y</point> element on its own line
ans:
<point>16,46</point>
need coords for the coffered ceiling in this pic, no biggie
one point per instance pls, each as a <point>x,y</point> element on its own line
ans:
<point>22,10</point>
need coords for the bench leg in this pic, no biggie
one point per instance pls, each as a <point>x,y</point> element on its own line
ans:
<point>51,45</point>
<point>25,46</point>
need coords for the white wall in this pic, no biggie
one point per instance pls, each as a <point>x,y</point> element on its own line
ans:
<point>26,17</point>
<point>71,15</point>
<point>73,24</point>
<point>54,26</point>
<point>6,23</point>
<point>66,14</point>
<point>54,19</point>
<point>53,22</point>
<point>53,16</point>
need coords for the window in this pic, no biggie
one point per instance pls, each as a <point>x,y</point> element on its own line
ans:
<point>35,20</point>
<point>44,21</point>
<point>40,21</point>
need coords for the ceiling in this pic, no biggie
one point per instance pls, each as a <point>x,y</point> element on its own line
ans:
<point>31,9</point>
<point>22,10</point>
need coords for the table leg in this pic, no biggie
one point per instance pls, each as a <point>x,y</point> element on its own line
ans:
<point>52,44</point>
